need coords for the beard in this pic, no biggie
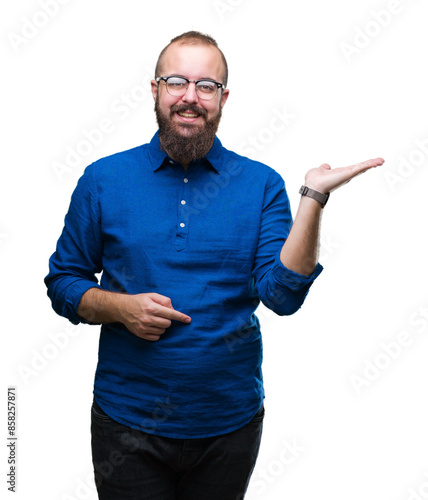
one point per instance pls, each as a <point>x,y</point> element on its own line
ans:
<point>186,142</point>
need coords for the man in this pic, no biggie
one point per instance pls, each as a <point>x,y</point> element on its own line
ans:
<point>189,237</point>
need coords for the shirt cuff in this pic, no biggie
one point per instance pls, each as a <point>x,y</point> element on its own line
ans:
<point>290,279</point>
<point>74,295</point>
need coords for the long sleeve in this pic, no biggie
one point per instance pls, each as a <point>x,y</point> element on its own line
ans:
<point>78,255</point>
<point>279,288</point>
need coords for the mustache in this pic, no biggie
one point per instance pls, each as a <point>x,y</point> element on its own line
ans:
<point>177,108</point>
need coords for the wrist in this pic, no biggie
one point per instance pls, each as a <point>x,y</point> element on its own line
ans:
<point>318,196</point>
<point>101,306</point>
<point>116,305</point>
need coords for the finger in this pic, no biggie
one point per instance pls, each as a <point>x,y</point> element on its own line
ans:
<point>152,337</point>
<point>150,332</point>
<point>159,322</point>
<point>365,165</point>
<point>160,299</point>
<point>172,314</point>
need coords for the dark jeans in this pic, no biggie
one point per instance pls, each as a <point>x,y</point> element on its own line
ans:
<point>134,465</point>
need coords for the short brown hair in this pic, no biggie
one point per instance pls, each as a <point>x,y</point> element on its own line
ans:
<point>193,38</point>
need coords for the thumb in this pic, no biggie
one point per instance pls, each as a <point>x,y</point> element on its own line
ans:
<point>161,300</point>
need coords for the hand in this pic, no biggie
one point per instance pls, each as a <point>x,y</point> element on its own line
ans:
<point>325,180</point>
<point>148,315</point>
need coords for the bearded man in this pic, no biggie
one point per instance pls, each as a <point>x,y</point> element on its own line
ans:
<point>189,237</point>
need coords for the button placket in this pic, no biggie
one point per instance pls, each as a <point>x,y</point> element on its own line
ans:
<point>183,215</point>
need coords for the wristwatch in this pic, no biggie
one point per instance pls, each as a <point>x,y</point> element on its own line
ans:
<point>316,195</point>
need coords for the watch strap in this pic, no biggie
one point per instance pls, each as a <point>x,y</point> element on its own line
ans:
<point>316,195</point>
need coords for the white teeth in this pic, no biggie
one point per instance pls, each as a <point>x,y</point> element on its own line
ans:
<point>188,115</point>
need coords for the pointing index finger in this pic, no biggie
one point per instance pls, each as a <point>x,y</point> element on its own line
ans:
<point>171,313</point>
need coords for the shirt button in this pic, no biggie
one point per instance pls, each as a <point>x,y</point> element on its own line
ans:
<point>183,202</point>
<point>182,224</point>
<point>185,180</point>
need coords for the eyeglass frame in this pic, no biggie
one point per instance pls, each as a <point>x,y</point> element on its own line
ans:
<point>165,79</point>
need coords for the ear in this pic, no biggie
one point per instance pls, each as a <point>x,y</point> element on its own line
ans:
<point>224,96</point>
<point>155,88</point>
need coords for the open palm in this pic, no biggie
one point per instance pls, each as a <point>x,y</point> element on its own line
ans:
<point>325,179</point>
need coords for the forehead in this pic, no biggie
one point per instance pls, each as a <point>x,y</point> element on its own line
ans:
<point>193,61</point>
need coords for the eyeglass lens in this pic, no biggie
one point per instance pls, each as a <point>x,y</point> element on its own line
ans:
<point>177,86</point>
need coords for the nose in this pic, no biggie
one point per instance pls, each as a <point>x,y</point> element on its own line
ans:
<point>190,95</point>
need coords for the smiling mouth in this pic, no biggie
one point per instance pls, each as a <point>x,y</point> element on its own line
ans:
<point>187,114</point>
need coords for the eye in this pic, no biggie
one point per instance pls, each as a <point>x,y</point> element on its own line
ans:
<point>176,82</point>
<point>207,87</point>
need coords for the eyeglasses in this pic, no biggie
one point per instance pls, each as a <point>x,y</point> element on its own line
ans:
<point>178,85</point>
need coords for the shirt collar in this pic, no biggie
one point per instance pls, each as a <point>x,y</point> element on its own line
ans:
<point>158,156</point>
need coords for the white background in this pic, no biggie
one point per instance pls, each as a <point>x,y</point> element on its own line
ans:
<point>65,73</point>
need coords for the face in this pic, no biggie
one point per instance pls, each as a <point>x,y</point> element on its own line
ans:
<point>187,124</point>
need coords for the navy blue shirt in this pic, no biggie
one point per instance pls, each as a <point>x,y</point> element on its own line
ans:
<point>209,238</point>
